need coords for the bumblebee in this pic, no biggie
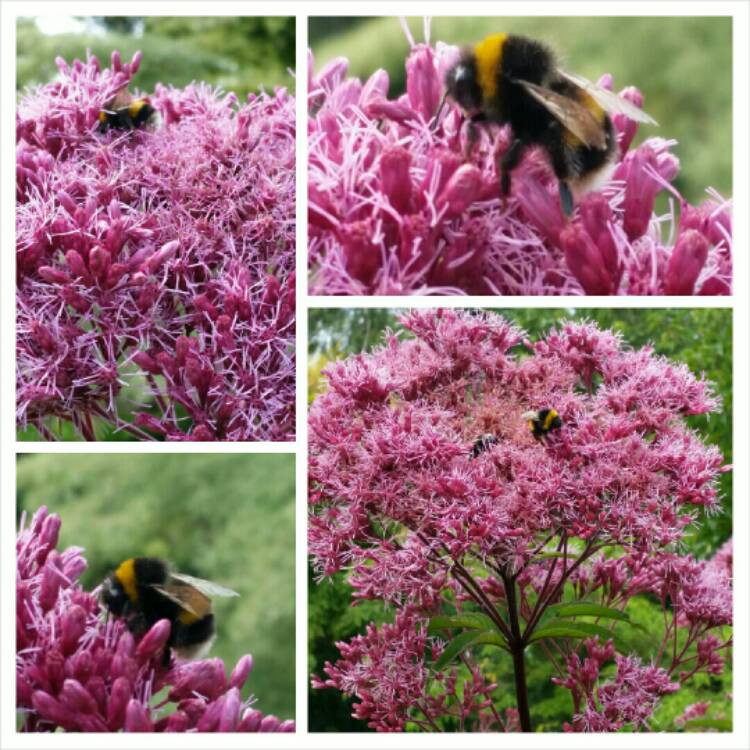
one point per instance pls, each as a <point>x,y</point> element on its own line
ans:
<point>126,113</point>
<point>508,79</point>
<point>483,444</point>
<point>542,422</point>
<point>144,590</point>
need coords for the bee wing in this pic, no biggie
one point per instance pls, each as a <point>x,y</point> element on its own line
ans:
<point>572,115</point>
<point>177,595</point>
<point>608,100</point>
<point>122,98</point>
<point>209,588</point>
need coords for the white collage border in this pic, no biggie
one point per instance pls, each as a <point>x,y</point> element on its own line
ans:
<point>739,303</point>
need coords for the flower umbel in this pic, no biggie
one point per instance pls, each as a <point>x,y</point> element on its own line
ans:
<point>396,207</point>
<point>79,672</point>
<point>489,547</point>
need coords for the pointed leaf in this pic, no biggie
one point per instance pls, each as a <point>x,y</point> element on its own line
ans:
<point>565,629</point>
<point>473,620</point>
<point>589,609</point>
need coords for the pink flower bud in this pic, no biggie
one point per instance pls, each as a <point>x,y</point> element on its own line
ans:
<point>50,709</point>
<point>269,723</point>
<point>241,671</point>
<point>162,255</point>
<point>585,260</point>
<point>376,87</point>
<point>541,208</point>
<point>250,721</point>
<point>686,262</point>
<point>146,362</point>
<point>177,722</point>
<point>76,698</point>
<point>640,192</point>
<point>385,109</point>
<point>49,531</point>
<point>201,302</point>
<point>332,73</point>
<point>461,190</point>
<point>154,641</point>
<point>99,262</point>
<point>423,87</point>
<point>135,62</point>
<point>77,266</point>
<point>395,181</point>
<point>120,695</point>
<point>136,718</point>
<point>73,627</point>
<point>116,60</point>
<point>360,254</point>
<point>53,275</point>
<point>229,716</point>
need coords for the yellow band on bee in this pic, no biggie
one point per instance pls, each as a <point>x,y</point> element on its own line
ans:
<point>135,107</point>
<point>489,58</point>
<point>187,618</point>
<point>549,419</point>
<point>125,574</point>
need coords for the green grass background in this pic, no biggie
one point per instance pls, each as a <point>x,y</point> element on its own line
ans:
<point>239,54</point>
<point>227,518</point>
<point>683,65</point>
<point>702,338</point>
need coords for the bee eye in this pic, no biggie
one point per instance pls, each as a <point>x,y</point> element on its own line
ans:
<point>463,87</point>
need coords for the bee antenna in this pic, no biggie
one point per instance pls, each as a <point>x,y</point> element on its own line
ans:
<point>436,119</point>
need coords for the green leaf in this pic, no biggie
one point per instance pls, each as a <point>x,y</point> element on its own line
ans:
<point>472,620</point>
<point>590,609</point>
<point>492,638</point>
<point>555,628</point>
<point>564,629</point>
<point>723,725</point>
<point>456,646</point>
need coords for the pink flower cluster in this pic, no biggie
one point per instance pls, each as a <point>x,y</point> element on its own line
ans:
<point>593,511</point>
<point>386,670</point>
<point>163,256</point>
<point>395,207</point>
<point>629,698</point>
<point>78,672</point>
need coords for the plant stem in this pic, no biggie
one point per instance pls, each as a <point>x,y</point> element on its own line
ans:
<point>517,646</point>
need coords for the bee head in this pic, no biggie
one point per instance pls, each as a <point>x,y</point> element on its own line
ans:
<point>462,86</point>
<point>113,596</point>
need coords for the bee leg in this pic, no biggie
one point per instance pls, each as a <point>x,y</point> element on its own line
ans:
<point>507,163</point>
<point>566,198</point>
<point>472,136</point>
<point>472,133</point>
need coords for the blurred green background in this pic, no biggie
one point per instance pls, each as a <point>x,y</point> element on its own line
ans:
<point>683,65</point>
<point>235,53</point>
<point>702,338</point>
<point>227,518</point>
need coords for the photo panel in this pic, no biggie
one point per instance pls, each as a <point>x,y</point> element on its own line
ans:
<point>520,156</point>
<point>155,228</point>
<point>532,511</point>
<point>155,593</point>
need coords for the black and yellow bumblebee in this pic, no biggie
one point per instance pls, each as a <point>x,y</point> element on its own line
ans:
<point>508,79</point>
<point>483,444</point>
<point>144,590</point>
<point>542,422</point>
<point>126,113</point>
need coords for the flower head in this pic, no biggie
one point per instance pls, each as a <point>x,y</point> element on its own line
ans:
<point>79,672</point>
<point>164,256</point>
